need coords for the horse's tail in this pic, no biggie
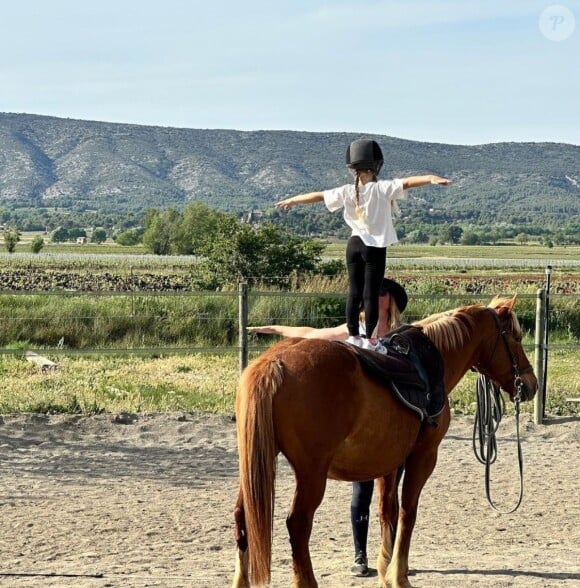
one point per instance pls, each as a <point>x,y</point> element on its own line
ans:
<point>257,461</point>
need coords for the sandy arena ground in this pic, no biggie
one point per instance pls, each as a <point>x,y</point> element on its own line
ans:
<point>86,502</point>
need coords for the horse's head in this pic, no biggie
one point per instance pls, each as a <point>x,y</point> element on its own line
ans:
<point>504,359</point>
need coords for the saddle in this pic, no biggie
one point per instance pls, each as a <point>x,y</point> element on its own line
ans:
<point>412,368</point>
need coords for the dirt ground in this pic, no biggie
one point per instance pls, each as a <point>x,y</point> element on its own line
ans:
<point>87,502</point>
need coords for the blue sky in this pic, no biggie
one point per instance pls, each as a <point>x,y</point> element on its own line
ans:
<point>453,71</point>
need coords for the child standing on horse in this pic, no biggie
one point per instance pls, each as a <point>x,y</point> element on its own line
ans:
<point>368,206</point>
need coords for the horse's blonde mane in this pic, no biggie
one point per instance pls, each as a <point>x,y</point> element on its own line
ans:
<point>448,330</point>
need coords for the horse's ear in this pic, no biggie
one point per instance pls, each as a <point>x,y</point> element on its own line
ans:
<point>506,305</point>
<point>511,302</point>
<point>499,302</point>
<point>496,302</point>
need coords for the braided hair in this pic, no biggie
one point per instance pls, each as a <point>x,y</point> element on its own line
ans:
<point>357,173</point>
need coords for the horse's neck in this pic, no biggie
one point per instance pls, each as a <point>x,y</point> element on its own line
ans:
<point>460,359</point>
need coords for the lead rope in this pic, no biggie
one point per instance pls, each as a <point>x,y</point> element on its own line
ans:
<point>489,411</point>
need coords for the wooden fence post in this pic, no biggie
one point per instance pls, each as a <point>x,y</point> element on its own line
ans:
<point>540,350</point>
<point>243,323</point>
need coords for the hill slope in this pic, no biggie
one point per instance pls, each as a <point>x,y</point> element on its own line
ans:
<point>47,161</point>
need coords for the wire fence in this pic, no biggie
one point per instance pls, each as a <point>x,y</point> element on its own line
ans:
<point>209,322</point>
<point>41,325</point>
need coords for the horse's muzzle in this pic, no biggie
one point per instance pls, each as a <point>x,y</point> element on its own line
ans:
<point>526,386</point>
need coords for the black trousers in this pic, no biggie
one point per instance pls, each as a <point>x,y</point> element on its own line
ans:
<point>362,494</point>
<point>366,269</point>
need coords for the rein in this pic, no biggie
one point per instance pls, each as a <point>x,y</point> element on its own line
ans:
<point>489,412</point>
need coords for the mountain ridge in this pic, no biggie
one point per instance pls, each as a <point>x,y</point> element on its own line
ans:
<point>48,161</point>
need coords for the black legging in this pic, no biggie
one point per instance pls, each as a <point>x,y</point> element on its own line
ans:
<point>360,505</point>
<point>366,269</point>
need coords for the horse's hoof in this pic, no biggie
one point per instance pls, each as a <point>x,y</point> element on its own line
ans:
<point>403,584</point>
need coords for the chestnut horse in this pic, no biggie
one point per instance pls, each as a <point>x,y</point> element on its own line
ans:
<point>310,400</point>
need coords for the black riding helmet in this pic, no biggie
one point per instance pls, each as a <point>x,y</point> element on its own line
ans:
<point>364,154</point>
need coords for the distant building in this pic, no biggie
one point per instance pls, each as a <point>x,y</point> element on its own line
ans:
<point>81,240</point>
<point>252,218</point>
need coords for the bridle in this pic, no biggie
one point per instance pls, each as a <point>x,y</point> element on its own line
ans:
<point>489,412</point>
<point>517,373</point>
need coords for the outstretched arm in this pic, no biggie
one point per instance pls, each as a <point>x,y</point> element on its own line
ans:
<point>339,333</point>
<point>309,198</point>
<point>418,181</point>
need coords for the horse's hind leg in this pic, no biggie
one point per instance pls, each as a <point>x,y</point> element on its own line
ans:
<point>388,493</point>
<point>418,468</point>
<point>241,577</point>
<point>307,498</point>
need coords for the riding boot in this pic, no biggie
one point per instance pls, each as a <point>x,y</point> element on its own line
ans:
<point>360,530</point>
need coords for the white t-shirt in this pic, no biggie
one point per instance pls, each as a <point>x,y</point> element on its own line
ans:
<point>375,227</point>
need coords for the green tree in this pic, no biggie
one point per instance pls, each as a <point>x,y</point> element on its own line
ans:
<point>59,235</point>
<point>160,231</point>
<point>75,232</point>
<point>241,252</point>
<point>198,223</point>
<point>521,238</point>
<point>37,244</point>
<point>11,238</point>
<point>99,235</point>
<point>451,234</point>
<point>470,238</point>
<point>417,236</point>
<point>130,237</point>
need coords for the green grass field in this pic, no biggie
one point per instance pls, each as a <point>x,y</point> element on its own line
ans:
<point>194,382</point>
<point>207,381</point>
<point>335,250</point>
<point>491,252</point>
<point>88,248</point>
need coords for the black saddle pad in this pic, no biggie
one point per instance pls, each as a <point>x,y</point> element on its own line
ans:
<point>412,368</point>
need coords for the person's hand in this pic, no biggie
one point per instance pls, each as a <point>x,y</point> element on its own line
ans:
<point>262,330</point>
<point>440,181</point>
<point>285,204</point>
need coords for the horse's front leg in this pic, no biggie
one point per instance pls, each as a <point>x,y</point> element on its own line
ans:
<point>388,493</point>
<point>418,467</point>
<point>309,492</point>
<point>241,577</point>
